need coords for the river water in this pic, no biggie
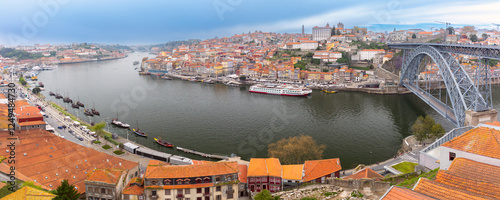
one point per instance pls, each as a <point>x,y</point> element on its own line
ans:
<point>356,127</point>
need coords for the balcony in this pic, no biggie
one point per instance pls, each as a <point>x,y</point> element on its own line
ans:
<point>179,196</point>
<point>206,194</point>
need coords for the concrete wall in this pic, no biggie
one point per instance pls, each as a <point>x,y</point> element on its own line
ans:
<point>445,161</point>
<point>375,186</point>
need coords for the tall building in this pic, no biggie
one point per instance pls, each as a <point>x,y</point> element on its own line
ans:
<point>303,30</point>
<point>321,33</point>
<point>340,25</point>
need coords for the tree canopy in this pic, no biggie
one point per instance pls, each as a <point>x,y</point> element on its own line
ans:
<point>473,38</point>
<point>451,30</point>
<point>296,150</point>
<point>66,192</point>
<point>36,90</point>
<point>426,128</point>
<point>264,195</point>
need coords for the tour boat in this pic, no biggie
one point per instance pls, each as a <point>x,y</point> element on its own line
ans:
<point>119,123</point>
<point>139,133</point>
<point>163,143</point>
<point>285,90</point>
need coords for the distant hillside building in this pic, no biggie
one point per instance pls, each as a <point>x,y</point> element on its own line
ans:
<point>340,25</point>
<point>321,33</point>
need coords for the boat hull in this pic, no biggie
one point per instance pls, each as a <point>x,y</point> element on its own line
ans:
<point>293,95</point>
<point>162,144</point>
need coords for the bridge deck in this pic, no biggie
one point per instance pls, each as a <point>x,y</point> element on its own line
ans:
<point>437,105</point>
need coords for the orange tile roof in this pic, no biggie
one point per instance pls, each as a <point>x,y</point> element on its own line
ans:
<point>495,123</point>
<point>32,123</point>
<point>471,185</point>
<point>201,185</point>
<point>481,140</point>
<point>318,168</point>
<point>264,167</point>
<point>242,173</point>
<point>111,176</point>
<point>209,169</point>
<point>443,191</point>
<point>134,187</point>
<point>367,173</point>
<point>399,193</point>
<point>293,172</point>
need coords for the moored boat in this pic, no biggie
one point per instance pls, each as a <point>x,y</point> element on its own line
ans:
<point>163,143</point>
<point>285,90</point>
<point>67,100</point>
<point>58,96</point>
<point>119,123</point>
<point>139,133</point>
<point>52,94</point>
<point>329,91</point>
<point>88,113</point>
<point>95,112</point>
<point>74,105</point>
<point>80,104</point>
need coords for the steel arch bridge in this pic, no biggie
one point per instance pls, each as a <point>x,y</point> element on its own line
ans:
<point>463,92</point>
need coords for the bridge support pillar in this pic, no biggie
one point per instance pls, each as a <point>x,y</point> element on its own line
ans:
<point>473,118</point>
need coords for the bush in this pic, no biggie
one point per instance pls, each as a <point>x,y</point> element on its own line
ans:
<point>118,152</point>
<point>106,147</point>
<point>97,142</point>
<point>405,167</point>
<point>330,194</point>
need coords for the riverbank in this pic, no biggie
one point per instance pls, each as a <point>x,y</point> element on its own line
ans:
<point>91,60</point>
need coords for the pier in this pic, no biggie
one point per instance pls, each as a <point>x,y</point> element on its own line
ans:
<point>202,154</point>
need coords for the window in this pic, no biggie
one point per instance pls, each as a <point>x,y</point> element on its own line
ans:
<point>153,192</point>
<point>167,192</point>
<point>154,182</point>
<point>207,198</point>
<point>90,189</point>
<point>110,191</point>
<point>126,197</point>
<point>199,198</point>
<point>207,190</point>
<point>90,198</point>
<point>198,190</point>
<point>186,198</point>
<point>141,197</point>
<point>452,156</point>
<point>103,191</point>
<point>217,189</point>
<point>218,197</point>
<point>187,191</point>
<point>179,191</point>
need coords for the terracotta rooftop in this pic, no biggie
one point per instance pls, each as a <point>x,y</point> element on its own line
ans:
<point>110,176</point>
<point>293,172</point>
<point>134,187</point>
<point>209,169</point>
<point>399,193</point>
<point>481,140</point>
<point>367,173</point>
<point>29,193</point>
<point>47,159</point>
<point>264,167</point>
<point>442,191</point>
<point>242,173</point>
<point>318,168</point>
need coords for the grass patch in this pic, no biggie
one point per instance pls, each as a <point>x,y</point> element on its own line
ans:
<point>330,194</point>
<point>97,142</point>
<point>360,68</point>
<point>356,194</point>
<point>106,147</point>
<point>405,167</point>
<point>118,152</point>
<point>410,182</point>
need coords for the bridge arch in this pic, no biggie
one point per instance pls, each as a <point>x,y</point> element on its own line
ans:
<point>460,89</point>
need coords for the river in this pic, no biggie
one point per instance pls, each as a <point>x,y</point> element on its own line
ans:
<point>356,127</point>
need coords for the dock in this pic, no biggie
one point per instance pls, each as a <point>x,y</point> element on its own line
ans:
<point>206,155</point>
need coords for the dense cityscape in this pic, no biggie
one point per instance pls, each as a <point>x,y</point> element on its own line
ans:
<point>62,143</point>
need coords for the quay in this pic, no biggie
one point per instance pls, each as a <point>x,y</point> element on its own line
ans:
<point>203,154</point>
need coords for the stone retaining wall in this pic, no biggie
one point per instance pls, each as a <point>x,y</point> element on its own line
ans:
<point>376,186</point>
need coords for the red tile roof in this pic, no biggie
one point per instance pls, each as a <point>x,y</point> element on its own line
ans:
<point>318,168</point>
<point>443,191</point>
<point>134,187</point>
<point>399,193</point>
<point>367,173</point>
<point>242,174</point>
<point>209,169</point>
<point>111,176</point>
<point>293,172</point>
<point>482,141</point>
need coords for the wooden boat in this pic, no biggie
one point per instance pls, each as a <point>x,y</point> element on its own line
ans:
<point>58,96</point>
<point>329,91</point>
<point>94,111</point>
<point>80,104</point>
<point>139,133</point>
<point>52,94</point>
<point>74,105</point>
<point>163,143</point>
<point>88,113</point>
<point>67,100</point>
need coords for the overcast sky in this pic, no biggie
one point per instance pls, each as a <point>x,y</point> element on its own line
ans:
<point>159,21</point>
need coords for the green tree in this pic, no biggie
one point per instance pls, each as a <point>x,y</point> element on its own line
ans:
<point>309,55</point>
<point>325,70</point>
<point>53,53</point>
<point>99,127</point>
<point>342,60</point>
<point>316,61</point>
<point>473,38</point>
<point>296,150</point>
<point>413,36</point>
<point>264,195</point>
<point>484,36</point>
<point>66,192</point>
<point>333,31</point>
<point>425,128</point>
<point>36,90</point>
<point>22,81</point>
<point>451,30</point>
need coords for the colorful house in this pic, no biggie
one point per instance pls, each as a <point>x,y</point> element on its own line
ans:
<point>264,174</point>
